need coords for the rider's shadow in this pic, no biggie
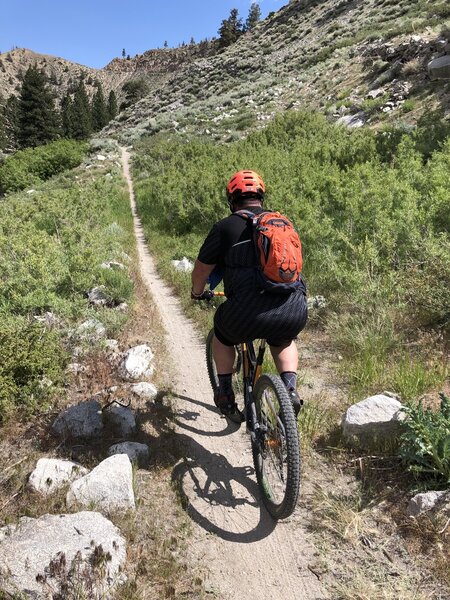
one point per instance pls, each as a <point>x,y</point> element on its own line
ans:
<point>181,416</point>
<point>221,498</point>
<point>217,495</point>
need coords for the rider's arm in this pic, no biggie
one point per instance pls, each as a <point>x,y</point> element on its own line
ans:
<point>200,274</point>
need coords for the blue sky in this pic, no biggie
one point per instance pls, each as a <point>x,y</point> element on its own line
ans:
<point>92,32</point>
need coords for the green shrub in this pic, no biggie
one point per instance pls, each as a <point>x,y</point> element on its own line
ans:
<point>32,360</point>
<point>52,245</point>
<point>372,210</point>
<point>425,445</point>
<point>28,167</point>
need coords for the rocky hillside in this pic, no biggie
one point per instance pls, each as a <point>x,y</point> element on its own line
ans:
<point>61,73</point>
<point>155,66</point>
<point>361,62</point>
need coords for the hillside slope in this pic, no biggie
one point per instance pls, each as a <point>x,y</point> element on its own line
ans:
<point>155,66</point>
<point>349,58</point>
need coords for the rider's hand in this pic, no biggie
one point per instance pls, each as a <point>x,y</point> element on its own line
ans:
<point>205,295</point>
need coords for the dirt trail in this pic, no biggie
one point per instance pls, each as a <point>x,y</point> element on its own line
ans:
<point>247,554</point>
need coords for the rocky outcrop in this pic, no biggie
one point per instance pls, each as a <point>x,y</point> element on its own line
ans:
<point>439,68</point>
<point>377,416</point>
<point>427,501</point>
<point>137,453</point>
<point>59,556</point>
<point>51,474</point>
<point>183,266</point>
<point>122,419</point>
<point>108,487</point>
<point>136,363</point>
<point>98,297</point>
<point>80,421</point>
<point>144,390</point>
<point>90,331</point>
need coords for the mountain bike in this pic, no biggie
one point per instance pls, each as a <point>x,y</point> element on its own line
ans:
<point>271,423</point>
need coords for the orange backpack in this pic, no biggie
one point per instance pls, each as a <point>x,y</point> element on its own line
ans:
<point>278,250</point>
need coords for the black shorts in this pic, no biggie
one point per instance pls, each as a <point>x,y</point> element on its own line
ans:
<point>278,318</point>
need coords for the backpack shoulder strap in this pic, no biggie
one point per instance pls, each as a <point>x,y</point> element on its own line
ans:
<point>245,214</point>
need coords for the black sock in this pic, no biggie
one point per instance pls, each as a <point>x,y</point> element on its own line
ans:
<point>225,385</point>
<point>289,379</point>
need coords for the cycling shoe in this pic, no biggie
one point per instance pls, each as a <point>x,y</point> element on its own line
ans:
<point>297,402</point>
<point>226,403</point>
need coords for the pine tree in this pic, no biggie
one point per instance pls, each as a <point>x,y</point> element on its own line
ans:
<point>230,29</point>
<point>254,16</point>
<point>100,116</point>
<point>112,105</point>
<point>81,114</point>
<point>123,53</point>
<point>134,89</point>
<point>67,116</point>
<point>166,45</point>
<point>38,119</point>
<point>10,123</point>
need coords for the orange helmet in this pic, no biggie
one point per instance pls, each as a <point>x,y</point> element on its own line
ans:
<point>245,182</point>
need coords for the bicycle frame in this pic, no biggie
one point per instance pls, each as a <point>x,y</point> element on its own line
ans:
<point>251,367</point>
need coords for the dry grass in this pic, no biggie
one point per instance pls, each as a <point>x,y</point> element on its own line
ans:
<point>315,422</point>
<point>158,534</point>
<point>361,587</point>
<point>429,535</point>
<point>342,515</point>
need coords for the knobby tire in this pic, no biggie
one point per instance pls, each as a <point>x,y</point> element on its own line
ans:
<point>281,504</point>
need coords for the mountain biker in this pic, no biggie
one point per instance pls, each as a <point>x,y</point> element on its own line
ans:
<point>247,313</point>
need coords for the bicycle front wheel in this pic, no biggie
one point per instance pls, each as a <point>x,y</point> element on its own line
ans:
<point>276,452</point>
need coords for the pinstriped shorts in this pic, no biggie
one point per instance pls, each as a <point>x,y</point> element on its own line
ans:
<point>278,318</point>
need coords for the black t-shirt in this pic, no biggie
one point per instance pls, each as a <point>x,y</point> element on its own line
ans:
<point>223,236</point>
<point>229,245</point>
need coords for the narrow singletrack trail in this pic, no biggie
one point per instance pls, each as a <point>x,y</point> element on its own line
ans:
<point>246,553</point>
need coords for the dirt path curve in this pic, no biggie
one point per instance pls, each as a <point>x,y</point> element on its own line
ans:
<point>247,554</point>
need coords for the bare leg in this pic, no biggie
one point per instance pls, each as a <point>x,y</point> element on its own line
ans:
<point>223,357</point>
<point>285,357</point>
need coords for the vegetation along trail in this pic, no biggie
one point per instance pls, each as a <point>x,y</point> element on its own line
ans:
<point>246,552</point>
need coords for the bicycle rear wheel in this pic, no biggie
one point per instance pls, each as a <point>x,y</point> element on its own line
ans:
<point>276,453</point>
<point>211,366</point>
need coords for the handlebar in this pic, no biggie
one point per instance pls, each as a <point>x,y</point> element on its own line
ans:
<point>208,295</point>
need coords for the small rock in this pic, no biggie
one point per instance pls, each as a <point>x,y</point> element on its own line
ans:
<point>137,453</point>
<point>109,486</point>
<point>80,421</point>
<point>439,68</point>
<point>375,93</point>
<point>101,157</point>
<point>353,121</point>
<point>316,302</point>
<point>37,555</point>
<point>97,296</point>
<point>91,331</point>
<point>184,265</point>
<point>421,503</point>
<point>112,346</point>
<point>144,390</point>
<point>122,307</point>
<point>51,474</point>
<point>75,368</point>
<point>48,319</point>
<point>122,419</point>
<point>113,265</point>
<point>375,416</point>
<point>137,362</point>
